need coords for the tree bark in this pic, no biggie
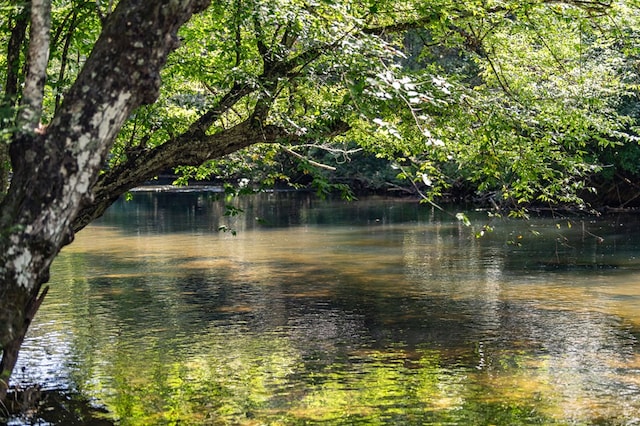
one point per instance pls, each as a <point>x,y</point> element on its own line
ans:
<point>55,168</point>
<point>38,58</point>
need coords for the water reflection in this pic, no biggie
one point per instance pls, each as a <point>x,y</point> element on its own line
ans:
<point>376,312</point>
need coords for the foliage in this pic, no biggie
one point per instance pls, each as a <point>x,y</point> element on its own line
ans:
<point>523,102</point>
<point>538,95</point>
<point>519,101</point>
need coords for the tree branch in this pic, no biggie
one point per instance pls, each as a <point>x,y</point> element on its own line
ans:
<point>195,146</point>
<point>308,160</point>
<point>184,150</point>
<point>14,47</point>
<point>237,92</point>
<point>38,58</point>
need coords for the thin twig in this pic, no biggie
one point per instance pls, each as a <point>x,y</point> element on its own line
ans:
<point>313,163</point>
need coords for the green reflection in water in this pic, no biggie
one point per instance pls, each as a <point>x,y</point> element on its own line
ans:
<point>240,384</point>
<point>163,320</point>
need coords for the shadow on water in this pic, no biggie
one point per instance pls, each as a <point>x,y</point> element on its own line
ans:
<point>48,407</point>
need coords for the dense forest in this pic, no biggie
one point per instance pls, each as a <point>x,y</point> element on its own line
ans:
<point>510,103</point>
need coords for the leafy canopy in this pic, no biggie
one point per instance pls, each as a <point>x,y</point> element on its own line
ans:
<point>520,101</point>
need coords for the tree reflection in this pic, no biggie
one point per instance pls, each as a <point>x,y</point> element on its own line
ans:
<point>378,323</point>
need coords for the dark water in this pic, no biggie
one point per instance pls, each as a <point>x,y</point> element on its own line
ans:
<point>318,312</point>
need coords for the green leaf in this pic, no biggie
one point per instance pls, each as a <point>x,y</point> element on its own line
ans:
<point>462,217</point>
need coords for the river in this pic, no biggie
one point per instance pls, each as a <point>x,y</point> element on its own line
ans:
<point>304,311</point>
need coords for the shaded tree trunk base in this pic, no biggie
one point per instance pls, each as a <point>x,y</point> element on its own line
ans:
<point>11,349</point>
<point>35,406</point>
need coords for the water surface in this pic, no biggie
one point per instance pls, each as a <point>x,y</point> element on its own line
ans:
<point>328,312</point>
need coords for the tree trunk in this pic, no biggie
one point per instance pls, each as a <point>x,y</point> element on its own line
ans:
<point>12,348</point>
<point>55,169</point>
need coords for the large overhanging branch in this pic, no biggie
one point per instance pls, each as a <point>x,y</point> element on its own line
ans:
<point>196,146</point>
<point>188,149</point>
<point>274,71</point>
